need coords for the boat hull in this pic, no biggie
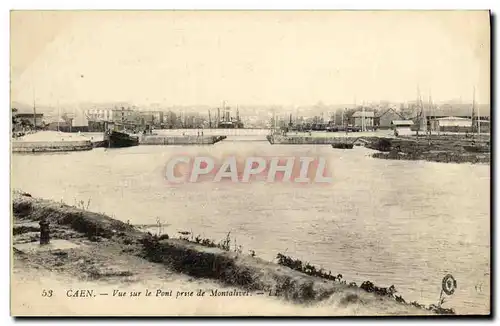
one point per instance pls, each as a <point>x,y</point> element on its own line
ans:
<point>116,139</point>
<point>343,145</point>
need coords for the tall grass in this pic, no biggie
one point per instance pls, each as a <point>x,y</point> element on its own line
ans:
<point>368,286</point>
<point>224,244</point>
<point>81,204</point>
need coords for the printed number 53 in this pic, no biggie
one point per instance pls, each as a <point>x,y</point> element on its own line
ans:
<point>46,293</point>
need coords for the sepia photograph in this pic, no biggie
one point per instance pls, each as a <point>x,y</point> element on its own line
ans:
<point>193,163</point>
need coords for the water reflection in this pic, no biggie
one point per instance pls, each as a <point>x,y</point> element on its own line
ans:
<point>391,222</point>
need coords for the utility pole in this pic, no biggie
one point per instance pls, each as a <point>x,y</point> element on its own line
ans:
<point>34,102</point>
<point>34,109</point>
<point>424,115</point>
<point>431,109</point>
<point>419,114</point>
<point>478,115</point>
<point>224,111</point>
<point>237,117</point>
<point>218,118</point>
<point>363,122</point>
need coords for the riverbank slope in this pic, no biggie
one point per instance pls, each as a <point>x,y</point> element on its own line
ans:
<point>88,248</point>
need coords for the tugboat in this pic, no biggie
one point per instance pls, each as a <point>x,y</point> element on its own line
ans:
<point>117,139</point>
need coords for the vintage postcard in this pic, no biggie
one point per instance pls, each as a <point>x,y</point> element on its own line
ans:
<point>250,163</point>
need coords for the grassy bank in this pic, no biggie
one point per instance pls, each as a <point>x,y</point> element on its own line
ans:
<point>198,258</point>
<point>443,149</point>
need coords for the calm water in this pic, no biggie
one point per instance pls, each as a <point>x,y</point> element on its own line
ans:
<point>391,222</point>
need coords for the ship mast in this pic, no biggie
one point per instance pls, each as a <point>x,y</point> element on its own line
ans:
<point>237,117</point>
<point>431,108</point>
<point>224,111</point>
<point>34,108</point>
<point>420,112</point>
<point>478,119</point>
<point>363,118</point>
<point>218,118</point>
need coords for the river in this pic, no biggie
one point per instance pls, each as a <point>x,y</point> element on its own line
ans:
<point>406,223</point>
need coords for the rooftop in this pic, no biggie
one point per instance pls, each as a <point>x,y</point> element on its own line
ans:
<point>402,122</point>
<point>389,110</point>
<point>460,110</point>
<point>27,114</point>
<point>366,114</point>
<point>453,118</point>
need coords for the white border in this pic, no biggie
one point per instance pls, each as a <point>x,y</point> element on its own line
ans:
<point>6,5</point>
<point>255,4</point>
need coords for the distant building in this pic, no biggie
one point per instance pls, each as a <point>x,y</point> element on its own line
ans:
<point>109,115</point>
<point>29,119</point>
<point>62,125</point>
<point>460,110</point>
<point>485,125</point>
<point>154,118</point>
<point>454,124</point>
<point>459,118</point>
<point>97,117</point>
<point>384,119</point>
<point>365,119</point>
<point>99,114</point>
<point>80,120</point>
<point>402,127</point>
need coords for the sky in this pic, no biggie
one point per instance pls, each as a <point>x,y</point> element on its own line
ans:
<point>248,58</point>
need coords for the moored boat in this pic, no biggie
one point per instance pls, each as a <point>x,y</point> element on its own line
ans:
<point>116,139</point>
<point>343,145</point>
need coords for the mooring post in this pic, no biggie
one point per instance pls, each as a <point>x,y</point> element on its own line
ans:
<point>44,232</point>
